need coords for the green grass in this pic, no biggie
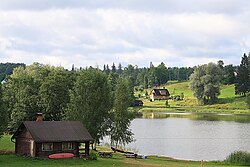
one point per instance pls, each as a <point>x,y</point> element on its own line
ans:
<point>118,160</point>
<point>228,102</point>
<point>6,144</point>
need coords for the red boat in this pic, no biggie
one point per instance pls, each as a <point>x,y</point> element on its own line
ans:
<point>61,155</point>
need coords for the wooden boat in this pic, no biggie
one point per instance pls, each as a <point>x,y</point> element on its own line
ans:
<point>61,155</point>
<point>121,151</point>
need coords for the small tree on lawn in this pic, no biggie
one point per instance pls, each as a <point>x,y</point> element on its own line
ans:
<point>205,83</point>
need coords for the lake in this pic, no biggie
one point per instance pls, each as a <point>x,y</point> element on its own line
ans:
<point>191,136</point>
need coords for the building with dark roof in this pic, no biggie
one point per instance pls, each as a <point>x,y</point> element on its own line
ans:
<point>43,138</point>
<point>159,94</point>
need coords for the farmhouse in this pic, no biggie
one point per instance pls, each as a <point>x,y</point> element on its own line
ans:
<point>43,138</point>
<point>159,94</point>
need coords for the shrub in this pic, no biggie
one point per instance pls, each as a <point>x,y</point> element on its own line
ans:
<point>92,155</point>
<point>239,158</point>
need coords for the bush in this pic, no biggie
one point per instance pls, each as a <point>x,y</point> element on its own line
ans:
<point>92,155</point>
<point>239,158</point>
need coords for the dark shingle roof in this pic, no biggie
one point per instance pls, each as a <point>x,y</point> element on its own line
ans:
<point>56,131</point>
<point>158,92</point>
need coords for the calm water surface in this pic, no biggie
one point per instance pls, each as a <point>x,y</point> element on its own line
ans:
<point>186,138</point>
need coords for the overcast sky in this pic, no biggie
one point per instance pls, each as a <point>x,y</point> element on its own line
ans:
<point>98,32</point>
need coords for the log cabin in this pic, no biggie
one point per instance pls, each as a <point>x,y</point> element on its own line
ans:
<point>43,138</point>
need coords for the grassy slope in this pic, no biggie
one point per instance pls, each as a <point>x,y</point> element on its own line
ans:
<point>116,161</point>
<point>228,101</point>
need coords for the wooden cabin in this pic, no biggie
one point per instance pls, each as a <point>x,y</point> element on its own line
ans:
<point>159,94</point>
<point>137,103</point>
<point>43,138</point>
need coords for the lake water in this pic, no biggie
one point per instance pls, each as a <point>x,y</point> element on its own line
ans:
<point>195,138</point>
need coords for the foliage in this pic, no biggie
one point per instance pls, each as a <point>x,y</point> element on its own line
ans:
<point>148,77</point>
<point>120,132</point>
<point>90,102</point>
<point>239,158</point>
<point>242,85</point>
<point>3,114</point>
<point>248,101</point>
<point>7,69</point>
<point>205,83</point>
<point>92,155</point>
<point>36,88</point>
<point>21,95</point>
<point>229,74</point>
<point>54,93</point>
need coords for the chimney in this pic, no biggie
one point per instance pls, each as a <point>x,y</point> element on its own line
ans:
<point>39,117</point>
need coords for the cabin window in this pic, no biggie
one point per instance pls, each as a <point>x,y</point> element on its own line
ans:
<point>67,146</point>
<point>47,146</point>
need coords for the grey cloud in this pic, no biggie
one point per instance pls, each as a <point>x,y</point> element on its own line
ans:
<point>165,6</point>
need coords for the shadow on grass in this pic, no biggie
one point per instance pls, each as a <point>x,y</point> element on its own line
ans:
<point>226,100</point>
<point>230,99</point>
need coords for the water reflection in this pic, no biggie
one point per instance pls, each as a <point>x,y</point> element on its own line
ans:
<point>190,138</point>
<point>200,116</point>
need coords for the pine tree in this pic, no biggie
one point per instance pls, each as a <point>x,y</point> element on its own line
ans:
<point>242,85</point>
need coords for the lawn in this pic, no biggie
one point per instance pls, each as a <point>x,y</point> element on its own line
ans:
<point>228,102</point>
<point>118,160</point>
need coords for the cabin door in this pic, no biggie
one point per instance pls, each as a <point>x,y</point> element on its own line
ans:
<point>32,149</point>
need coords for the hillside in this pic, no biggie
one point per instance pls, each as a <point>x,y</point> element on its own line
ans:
<point>228,102</point>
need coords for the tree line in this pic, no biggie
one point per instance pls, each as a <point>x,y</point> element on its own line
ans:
<point>85,95</point>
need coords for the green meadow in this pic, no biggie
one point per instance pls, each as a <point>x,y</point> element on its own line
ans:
<point>228,102</point>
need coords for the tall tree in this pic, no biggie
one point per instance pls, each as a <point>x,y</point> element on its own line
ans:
<point>54,93</point>
<point>90,102</point>
<point>229,74</point>
<point>3,114</point>
<point>242,84</point>
<point>119,70</point>
<point>120,132</point>
<point>205,83</point>
<point>161,74</point>
<point>21,91</point>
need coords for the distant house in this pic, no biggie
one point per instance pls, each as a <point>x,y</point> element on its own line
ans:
<point>159,94</point>
<point>43,138</point>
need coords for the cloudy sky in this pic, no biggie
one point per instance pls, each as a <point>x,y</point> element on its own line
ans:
<point>97,32</point>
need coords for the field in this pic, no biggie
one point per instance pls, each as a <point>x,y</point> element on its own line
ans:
<point>118,160</point>
<point>228,102</point>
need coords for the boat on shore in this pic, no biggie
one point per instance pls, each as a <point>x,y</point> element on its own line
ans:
<point>121,151</point>
<point>61,155</point>
<point>129,154</point>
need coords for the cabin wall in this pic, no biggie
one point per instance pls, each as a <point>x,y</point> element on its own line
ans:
<point>154,97</point>
<point>23,143</point>
<point>57,148</point>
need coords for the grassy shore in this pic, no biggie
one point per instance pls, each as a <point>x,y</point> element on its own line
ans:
<point>228,102</point>
<point>118,160</point>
